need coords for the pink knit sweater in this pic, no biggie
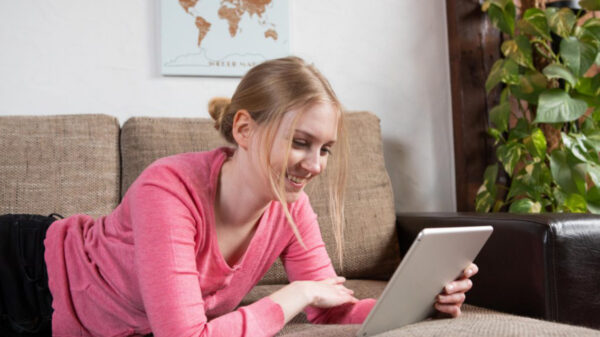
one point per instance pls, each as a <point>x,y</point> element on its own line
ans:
<point>154,265</point>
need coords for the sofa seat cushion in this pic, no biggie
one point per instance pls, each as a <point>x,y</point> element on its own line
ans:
<point>59,164</point>
<point>474,322</point>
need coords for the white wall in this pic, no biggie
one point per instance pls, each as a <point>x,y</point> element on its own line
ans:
<point>386,56</point>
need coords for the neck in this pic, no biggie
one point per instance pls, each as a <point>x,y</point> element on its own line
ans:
<point>237,203</point>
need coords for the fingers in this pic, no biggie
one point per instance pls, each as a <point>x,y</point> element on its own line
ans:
<point>453,295</point>
<point>332,295</point>
<point>457,298</point>
<point>449,309</point>
<point>346,290</point>
<point>459,286</point>
<point>334,280</point>
<point>470,270</point>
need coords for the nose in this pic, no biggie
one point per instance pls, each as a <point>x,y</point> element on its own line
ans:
<point>313,162</point>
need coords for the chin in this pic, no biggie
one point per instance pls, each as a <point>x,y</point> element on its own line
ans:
<point>291,197</point>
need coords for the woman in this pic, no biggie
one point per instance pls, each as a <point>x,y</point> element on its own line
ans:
<point>196,231</point>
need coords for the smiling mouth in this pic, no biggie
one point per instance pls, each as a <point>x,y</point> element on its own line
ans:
<point>296,180</point>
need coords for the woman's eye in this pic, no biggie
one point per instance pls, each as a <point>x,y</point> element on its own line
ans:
<point>326,151</point>
<point>299,143</point>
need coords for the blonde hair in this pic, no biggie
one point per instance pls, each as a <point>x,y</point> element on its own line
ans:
<point>268,91</point>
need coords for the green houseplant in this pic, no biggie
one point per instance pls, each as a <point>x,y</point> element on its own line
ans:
<point>546,127</point>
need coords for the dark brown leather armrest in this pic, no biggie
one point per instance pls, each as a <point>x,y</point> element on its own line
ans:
<point>545,266</point>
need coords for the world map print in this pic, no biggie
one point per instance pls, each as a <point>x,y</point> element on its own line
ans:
<point>222,37</point>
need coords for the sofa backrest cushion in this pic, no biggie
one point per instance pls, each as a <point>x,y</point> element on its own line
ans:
<point>146,139</point>
<point>370,242</point>
<point>59,164</point>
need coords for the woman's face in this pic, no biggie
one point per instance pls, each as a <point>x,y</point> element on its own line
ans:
<point>313,135</point>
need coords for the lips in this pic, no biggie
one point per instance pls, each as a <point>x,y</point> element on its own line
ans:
<point>296,181</point>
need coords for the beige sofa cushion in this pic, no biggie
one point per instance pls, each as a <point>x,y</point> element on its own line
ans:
<point>144,140</point>
<point>474,322</point>
<point>64,164</point>
<point>370,247</point>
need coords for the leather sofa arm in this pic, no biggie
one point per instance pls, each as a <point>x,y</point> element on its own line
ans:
<point>545,266</point>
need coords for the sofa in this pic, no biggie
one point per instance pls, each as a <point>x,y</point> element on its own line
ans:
<point>71,164</point>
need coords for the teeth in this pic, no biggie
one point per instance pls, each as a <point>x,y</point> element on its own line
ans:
<point>297,180</point>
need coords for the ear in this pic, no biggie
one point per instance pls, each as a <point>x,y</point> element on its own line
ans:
<point>243,126</point>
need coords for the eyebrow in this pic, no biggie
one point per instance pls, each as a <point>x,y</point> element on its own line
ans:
<point>309,135</point>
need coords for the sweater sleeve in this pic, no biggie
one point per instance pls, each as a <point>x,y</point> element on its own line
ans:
<point>164,217</point>
<point>313,263</point>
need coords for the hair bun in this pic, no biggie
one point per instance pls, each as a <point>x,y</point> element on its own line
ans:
<point>217,106</point>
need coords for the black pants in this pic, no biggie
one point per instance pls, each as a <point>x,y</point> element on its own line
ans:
<point>25,300</point>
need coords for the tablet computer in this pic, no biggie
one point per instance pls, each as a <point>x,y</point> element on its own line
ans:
<point>436,257</point>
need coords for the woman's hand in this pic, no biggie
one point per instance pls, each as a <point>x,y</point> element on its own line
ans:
<point>452,297</point>
<point>328,293</point>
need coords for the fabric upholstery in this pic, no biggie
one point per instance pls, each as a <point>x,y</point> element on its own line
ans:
<point>59,164</point>
<point>370,244</point>
<point>144,140</point>
<point>474,321</point>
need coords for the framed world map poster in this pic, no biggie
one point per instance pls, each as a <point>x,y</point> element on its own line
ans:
<point>222,37</point>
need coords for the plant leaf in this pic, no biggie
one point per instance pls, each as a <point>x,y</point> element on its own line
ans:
<point>588,125</point>
<point>534,23</point>
<point>569,179</point>
<point>486,195</point>
<point>499,116</point>
<point>590,5</point>
<point>536,144</point>
<point>594,172</point>
<point>530,86</point>
<point>509,154</point>
<point>578,145</point>
<point>596,115</point>
<point>576,203</point>
<point>484,200</point>
<point>589,86</point>
<point>591,101</point>
<point>495,75</point>
<point>504,95</point>
<point>486,5</point>
<point>577,55</point>
<point>561,21</point>
<point>525,205</point>
<point>557,70</point>
<point>559,195</point>
<point>506,71</point>
<point>518,189</point>
<point>519,50</point>
<point>503,14</point>
<point>520,131</point>
<point>497,135</point>
<point>489,177</point>
<point>555,106</point>
<point>593,139</point>
<point>533,181</point>
<point>593,199</point>
<point>590,30</point>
